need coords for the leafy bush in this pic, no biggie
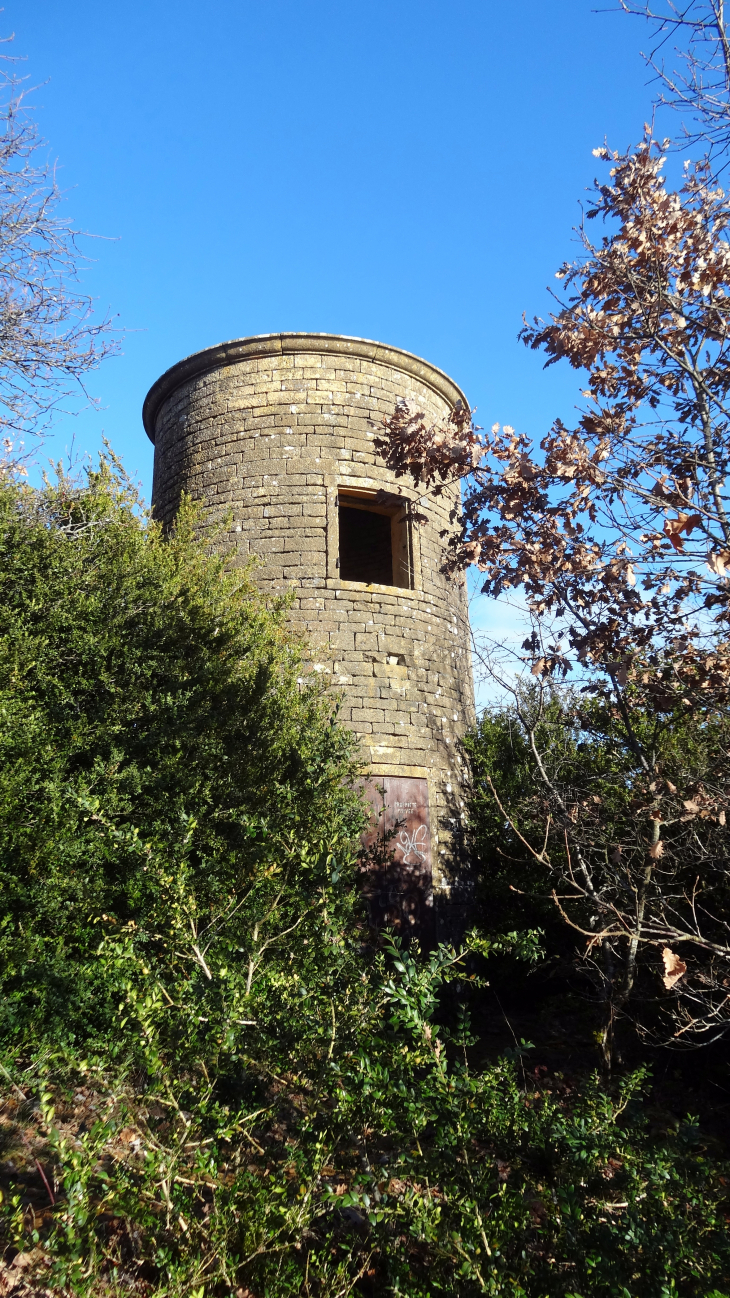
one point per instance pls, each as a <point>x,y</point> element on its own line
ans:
<point>385,1165</point>
<point>153,728</point>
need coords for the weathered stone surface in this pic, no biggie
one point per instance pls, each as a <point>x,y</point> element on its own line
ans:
<point>268,428</point>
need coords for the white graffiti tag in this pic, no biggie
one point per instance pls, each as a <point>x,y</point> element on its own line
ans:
<point>415,844</point>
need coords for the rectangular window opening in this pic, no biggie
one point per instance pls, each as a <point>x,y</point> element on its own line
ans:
<point>374,539</point>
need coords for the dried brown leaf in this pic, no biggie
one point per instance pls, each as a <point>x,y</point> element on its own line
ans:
<point>674,968</point>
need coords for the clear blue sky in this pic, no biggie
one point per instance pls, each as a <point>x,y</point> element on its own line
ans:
<point>404,170</point>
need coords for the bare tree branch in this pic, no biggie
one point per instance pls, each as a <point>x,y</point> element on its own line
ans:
<point>696,81</point>
<point>51,338</point>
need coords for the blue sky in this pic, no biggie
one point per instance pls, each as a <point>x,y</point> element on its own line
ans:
<point>405,170</point>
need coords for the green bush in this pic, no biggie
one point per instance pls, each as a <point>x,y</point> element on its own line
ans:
<point>152,725</point>
<point>383,1165</point>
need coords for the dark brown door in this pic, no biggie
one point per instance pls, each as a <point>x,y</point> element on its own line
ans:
<point>398,855</point>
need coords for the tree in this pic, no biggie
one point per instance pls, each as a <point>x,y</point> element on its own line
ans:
<point>50,336</point>
<point>617,532</point>
<point>701,87</point>
<point>562,814</point>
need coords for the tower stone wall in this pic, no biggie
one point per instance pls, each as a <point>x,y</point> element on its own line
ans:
<point>277,432</point>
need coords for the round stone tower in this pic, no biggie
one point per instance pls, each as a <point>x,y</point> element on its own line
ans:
<point>276,432</point>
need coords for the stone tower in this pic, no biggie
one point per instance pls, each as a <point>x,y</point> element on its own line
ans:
<point>277,432</point>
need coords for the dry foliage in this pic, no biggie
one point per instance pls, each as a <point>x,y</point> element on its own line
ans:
<point>620,525</point>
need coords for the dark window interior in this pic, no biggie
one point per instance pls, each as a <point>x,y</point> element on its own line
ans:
<point>366,548</point>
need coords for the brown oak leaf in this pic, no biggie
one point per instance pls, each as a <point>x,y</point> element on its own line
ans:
<point>674,968</point>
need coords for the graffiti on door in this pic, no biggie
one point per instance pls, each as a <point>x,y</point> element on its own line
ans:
<point>398,855</point>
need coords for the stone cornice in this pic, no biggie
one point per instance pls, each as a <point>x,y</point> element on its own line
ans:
<point>241,349</point>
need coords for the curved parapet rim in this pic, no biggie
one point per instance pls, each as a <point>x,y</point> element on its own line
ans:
<point>240,349</point>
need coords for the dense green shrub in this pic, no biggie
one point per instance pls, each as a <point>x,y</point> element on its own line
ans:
<point>384,1164</point>
<point>152,721</point>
